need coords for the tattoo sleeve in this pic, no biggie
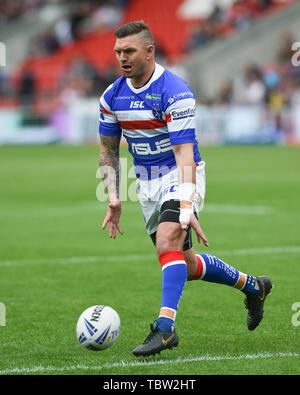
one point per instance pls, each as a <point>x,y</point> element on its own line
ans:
<point>109,164</point>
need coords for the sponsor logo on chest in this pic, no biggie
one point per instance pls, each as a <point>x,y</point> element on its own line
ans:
<point>151,148</point>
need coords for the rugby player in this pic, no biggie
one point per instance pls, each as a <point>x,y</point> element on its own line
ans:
<point>155,111</point>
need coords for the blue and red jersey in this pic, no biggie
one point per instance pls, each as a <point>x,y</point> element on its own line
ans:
<point>152,119</point>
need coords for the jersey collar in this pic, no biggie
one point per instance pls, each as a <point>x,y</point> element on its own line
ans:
<point>157,73</point>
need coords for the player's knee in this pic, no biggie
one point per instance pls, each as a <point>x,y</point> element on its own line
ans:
<point>164,245</point>
<point>169,239</point>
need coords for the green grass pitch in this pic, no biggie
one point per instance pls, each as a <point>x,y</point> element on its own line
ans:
<point>55,261</point>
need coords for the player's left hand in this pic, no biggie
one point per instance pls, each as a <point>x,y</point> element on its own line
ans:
<point>188,218</point>
<point>112,219</point>
<point>198,230</point>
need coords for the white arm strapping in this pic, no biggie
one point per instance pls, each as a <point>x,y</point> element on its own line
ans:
<point>187,191</point>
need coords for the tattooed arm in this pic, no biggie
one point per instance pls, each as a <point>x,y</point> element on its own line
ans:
<point>110,173</point>
<point>109,165</point>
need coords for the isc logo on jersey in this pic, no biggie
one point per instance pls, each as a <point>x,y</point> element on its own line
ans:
<point>146,148</point>
<point>137,104</point>
<point>187,112</point>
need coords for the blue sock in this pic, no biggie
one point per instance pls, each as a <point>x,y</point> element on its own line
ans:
<point>174,276</point>
<point>217,271</point>
<point>165,324</point>
<point>251,287</point>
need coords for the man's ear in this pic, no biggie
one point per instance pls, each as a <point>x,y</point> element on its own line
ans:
<point>150,51</point>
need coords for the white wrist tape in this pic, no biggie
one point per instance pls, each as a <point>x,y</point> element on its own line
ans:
<point>185,215</point>
<point>186,191</point>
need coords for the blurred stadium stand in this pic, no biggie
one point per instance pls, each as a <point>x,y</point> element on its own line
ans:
<point>236,55</point>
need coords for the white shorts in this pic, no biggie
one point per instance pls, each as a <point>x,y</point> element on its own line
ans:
<point>153,193</point>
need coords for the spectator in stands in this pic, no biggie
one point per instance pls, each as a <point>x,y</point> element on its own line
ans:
<point>5,84</point>
<point>81,12</point>
<point>255,90</point>
<point>177,68</point>
<point>108,15</point>
<point>264,4</point>
<point>44,44</point>
<point>11,10</point>
<point>217,15</point>
<point>276,100</point>
<point>271,76</point>
<point>86,16</point>
<point>83,80</point>
<point>94,15</point>
<point>62,31</point>
<point>295,95</point>
<point>202,33</point>
<point>27,89</point>
<point>77,77</point>
<point>284,52</point>
<point>225,95</point>
<point>239,15</point>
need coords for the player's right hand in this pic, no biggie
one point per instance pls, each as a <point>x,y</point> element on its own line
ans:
<point>112,219</point>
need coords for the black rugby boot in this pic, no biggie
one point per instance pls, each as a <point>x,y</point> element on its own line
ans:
<point>156,342</point>
<point>255,303</point>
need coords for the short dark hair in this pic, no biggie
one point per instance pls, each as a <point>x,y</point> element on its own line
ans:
<point>135,27</point>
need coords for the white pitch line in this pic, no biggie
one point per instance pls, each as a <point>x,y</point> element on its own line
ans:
<point>263,251</point>
<point>234,209</point>
<point>137,257</point>
<point>77,260</point>
<point>144,362</point>
<point>237,209</point>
